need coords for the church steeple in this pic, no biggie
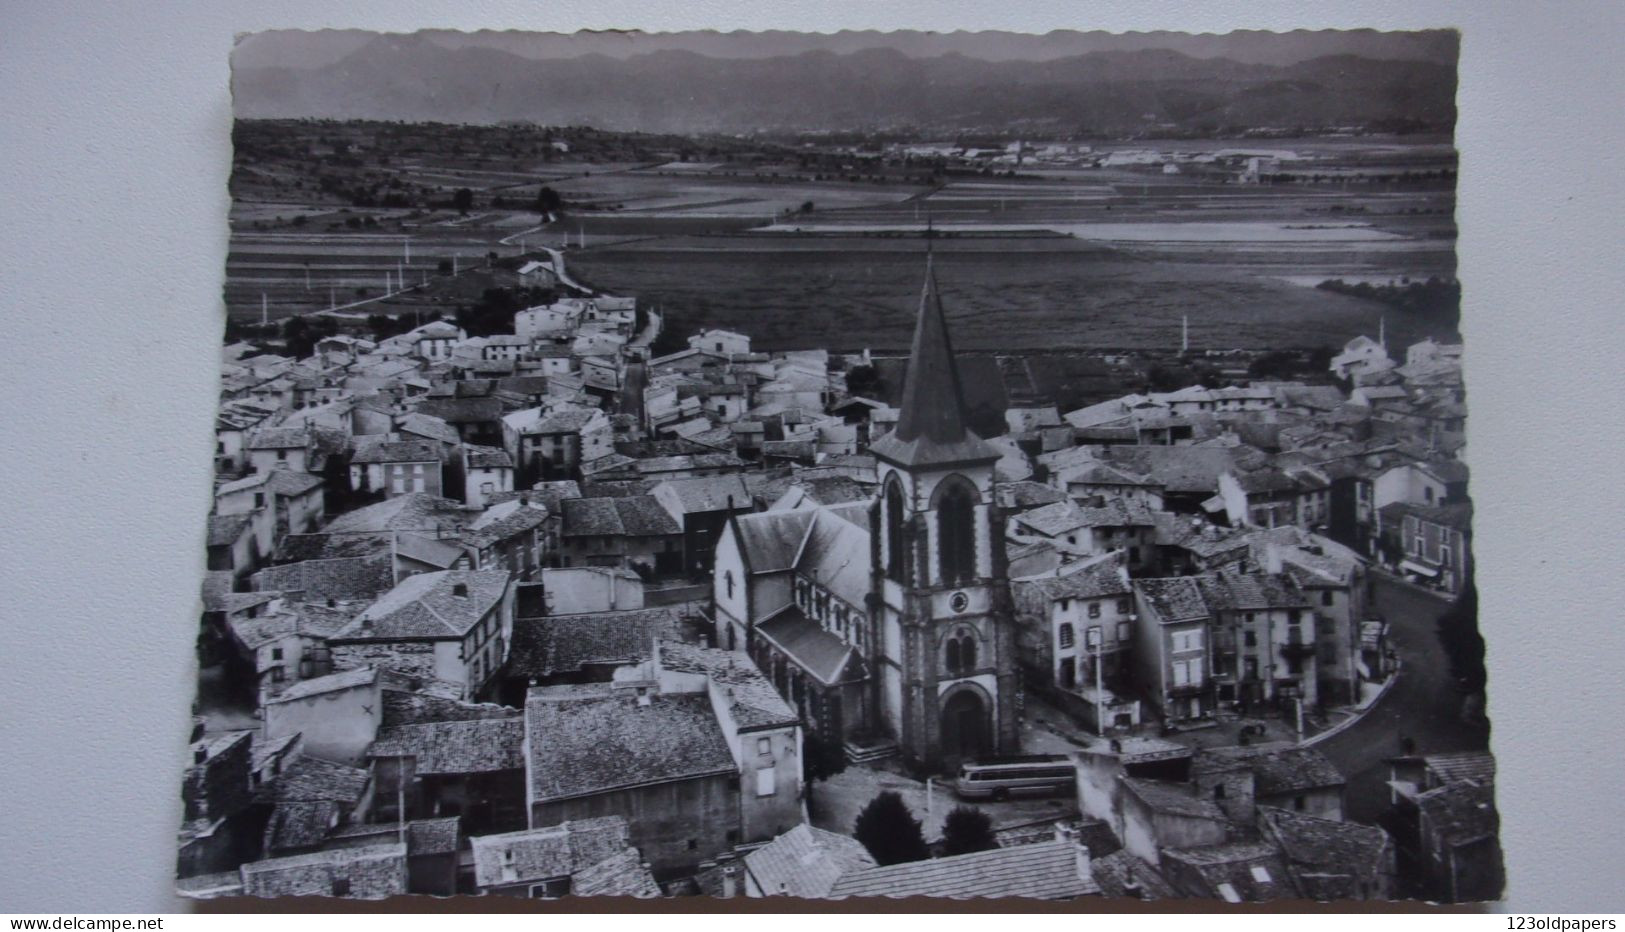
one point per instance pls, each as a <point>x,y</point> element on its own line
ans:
<point>931,426</point>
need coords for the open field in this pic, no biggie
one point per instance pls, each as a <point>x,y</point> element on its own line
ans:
<point>1109,254</point>
<point>851,294</point>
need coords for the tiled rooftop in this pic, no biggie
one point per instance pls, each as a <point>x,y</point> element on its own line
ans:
<point>586,742</point>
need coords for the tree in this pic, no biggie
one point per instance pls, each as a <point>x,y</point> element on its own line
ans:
<point>889,831</point>
<point>493,314</point>
<point>462,199</point>
<point>297,337</point>
<point>548,200</point>
<point>1463,645</point>
<point>863,380</point>
<point>820,759</point>
<point>967,829</point>
<point>1277,364</point>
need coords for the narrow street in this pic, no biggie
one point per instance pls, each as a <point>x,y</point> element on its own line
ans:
<point>1423,704</point>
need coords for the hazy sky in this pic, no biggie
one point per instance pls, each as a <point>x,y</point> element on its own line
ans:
<point>300,49</point>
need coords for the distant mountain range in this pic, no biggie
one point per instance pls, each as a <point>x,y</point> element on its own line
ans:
<point>1056,83</point>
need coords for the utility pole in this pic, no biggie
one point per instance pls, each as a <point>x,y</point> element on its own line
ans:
<point>264,314</point>
<point>408,244</point>
<point>1100,687</point>
<point>1185,335</point>
<point>307,276</point>
<point>454,263</point>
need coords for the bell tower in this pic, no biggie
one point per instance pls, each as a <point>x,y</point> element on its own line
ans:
<point>946,678</point>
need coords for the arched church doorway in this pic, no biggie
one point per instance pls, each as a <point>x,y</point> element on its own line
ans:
<point>966,732</point>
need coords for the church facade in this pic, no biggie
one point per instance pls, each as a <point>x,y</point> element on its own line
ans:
<point>889,621</point>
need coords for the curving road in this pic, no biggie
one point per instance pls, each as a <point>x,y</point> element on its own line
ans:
<point>1423,703</point>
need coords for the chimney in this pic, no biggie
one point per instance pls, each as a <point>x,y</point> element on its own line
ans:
<point>1131,887</point>
<point>730,879</point>
<point>1080,852</point>
<point>1272,558</point>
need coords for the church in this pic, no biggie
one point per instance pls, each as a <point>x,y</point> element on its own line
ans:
<point>887,624</point>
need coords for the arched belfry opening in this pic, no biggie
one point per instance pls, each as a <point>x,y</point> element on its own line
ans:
<point>896,542</point>
<point>956,532</point>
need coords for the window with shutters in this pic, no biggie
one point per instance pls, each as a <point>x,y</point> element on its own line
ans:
<point>1067,637</point>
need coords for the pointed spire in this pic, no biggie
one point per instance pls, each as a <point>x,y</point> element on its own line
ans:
<point>931,425</point>
<point>933,402</point>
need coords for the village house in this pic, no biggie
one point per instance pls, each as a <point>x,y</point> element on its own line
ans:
<point>1446,827</point>
<point>1436,542</point>
<point>572,590</point>
<point>271,448</point>
<point>487,471</point>
<point>1331,860</point>
<point>1073,632</point>
<point>547,320</point>
<point>371,872</point>
<point>1262,641</point>
<point>432,847</point>
<point>589,647</point>
<point>294,502</point>
<point>804,862</point>
<point>476,418</point>
<point>1361,356</point>
<point>337,715</point>
<point>216,792</point>
<point>702,506</point>
<point>336,579</point>
<point>583,857</point>
<point>287,642</point>
<point>633,531</point>
<point>452,626</point>
<point>548,444</point>
<point>232,545</point>
<point>720,342</point>
<point>1234,872</point>
<point>1298,780</point>
<point>1059,869</point>
<point>509,535</point>
<point>1169,654</point>
<point>434,341</point>
<point>419,426</point>
<point>1088,479</point>
<point>472,768</point>
<point>308,800</point>
<point>669,760</point>
<point>392,466</point>
<point>233,424</point>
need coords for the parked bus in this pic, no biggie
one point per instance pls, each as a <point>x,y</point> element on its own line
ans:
<point>1004,777</point>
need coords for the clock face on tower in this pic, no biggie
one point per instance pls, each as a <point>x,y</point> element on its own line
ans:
<point>959,601</point>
